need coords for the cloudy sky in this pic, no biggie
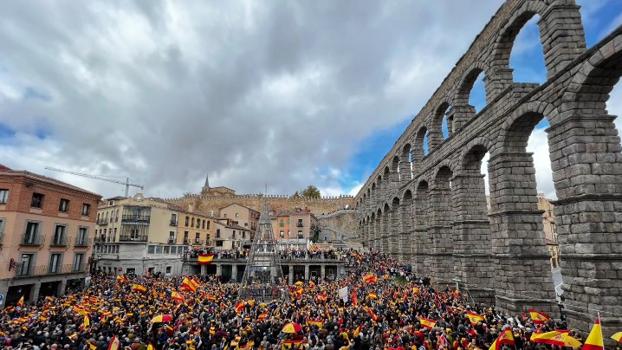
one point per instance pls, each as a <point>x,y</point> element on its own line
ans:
<point>284,93</point>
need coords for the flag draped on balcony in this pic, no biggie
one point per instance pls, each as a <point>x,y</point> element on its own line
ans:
<point>205,259</point>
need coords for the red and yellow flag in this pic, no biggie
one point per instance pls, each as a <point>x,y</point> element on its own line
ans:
<point>139,288</point>
<point>177,297</point>
<point>594,340</point>
<point>427,323</point>
<point>189,284</point>
<point>372,296</point>
<point>370,278</point>
<point>86,322</point>
<point>538,317</point>
<point>21,302</point>
<point>162,318</point>
<point>262,316</point>
<point>317,323</point>
<point>558,337</point>
<point>205,259</point>
<point>617,337</point>
<point>505,338</point>
<point>355,298</point>
<point>474,318</point>
<point>121,278</point>
<point>114,344</point>
<point>239,307</point>
<point>372,314</point>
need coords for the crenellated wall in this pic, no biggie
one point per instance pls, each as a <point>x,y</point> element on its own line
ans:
<point>430,209</point>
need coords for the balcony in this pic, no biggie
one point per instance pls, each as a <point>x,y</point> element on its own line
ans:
<point>131,218</point>
<point>81,242</point>
<point>101,222</point>
<point>173,223</point>
<point>59,241</point>
<point>171,241</point>
<point>32,240</point>
<point>300,224</point>
<point>133,238</point>
<point>46,270</point>
<point>186,241</point>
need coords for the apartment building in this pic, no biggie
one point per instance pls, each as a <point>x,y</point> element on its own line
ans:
<point>240,215</point>
<point>229,235</point>
<point>293,228</point>
<point>146,235</point>
<point>46,236</point>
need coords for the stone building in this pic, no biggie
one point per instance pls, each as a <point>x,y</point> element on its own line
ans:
<point>230,235</point>
<point>212,199</point>
<point>425,203</point>
<point>46,235</point>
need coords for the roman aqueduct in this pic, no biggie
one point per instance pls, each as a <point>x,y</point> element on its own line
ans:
<point>431,209</point>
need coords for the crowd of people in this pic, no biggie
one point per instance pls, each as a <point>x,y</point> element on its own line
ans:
<point>377,305</point>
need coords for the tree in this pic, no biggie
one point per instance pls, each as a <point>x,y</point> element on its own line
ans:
<point>311,192</point>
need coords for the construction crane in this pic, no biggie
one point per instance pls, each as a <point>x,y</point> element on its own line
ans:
<point>126,183</point>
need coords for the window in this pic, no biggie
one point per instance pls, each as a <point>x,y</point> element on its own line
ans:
<point>63,207</point>
<point>167,249</point>
<point>77,261</point>
<point>192,222</point>
<point>171,235</point>
<point>81,239</point>
<point>86,208</point>
<point>55,263</point>
<point>282,234</point>
<point>173,249</point>
<point>185,237</point>
<point>168,269</point>
<point>150,249</point>
<point>219,243</point>
<point>197,237</point>
<point>158,249</point>
<point>243,235</point>
<point>37,200</point>
<point>233,236</point>
<point>198,223</point>
<point>218,233</point>
<point>300,235</point>
<point>59,235</point>
<point>187,220</point>
<point>31,232</point>
<point>299,222</point>
<point>208,224</point>
<point>4,195</point>
<point>1,228</point>
<point>26,264</point>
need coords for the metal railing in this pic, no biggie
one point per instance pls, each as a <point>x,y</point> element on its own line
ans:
<point>84,242</point>
<point>32,240</point>
<point>45,270</point>
<point>133,238</point>
<point>59,242</point>
<point>136,218</point>
<point>173,223</point>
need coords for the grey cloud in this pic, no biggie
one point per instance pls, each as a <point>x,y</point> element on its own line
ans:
<point>253,92</point>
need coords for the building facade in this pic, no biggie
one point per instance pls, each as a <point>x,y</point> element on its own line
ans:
<point>46,236</point>
<point>294,228</point>
<point>144,235</point>
<point>229,235</point>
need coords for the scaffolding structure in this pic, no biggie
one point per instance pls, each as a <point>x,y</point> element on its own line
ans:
<point>263,275</point>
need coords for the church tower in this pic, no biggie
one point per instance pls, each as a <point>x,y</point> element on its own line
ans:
<point>206,188</point>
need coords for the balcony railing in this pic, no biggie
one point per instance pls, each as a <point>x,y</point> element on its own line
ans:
<point>59,241</point>
<point>102,222</point>
<point>300,224</point>
<point>171,241</point>
<point>32,240</point>
<point>136,218</point>
<point>81,241</point>
<point>133,238</point>
<point>173,223</point>
<point>45,270</point>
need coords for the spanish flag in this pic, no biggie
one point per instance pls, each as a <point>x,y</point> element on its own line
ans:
<point>121,279</point>
<point>322,297</point>
<point>139,288</point>
<point>370,278</point>
<point>239,307</point>
<point>427,323</point>
<point>372,314</point>
<point>189,284</point>
<point>177,297</point>
<point>372,296</point>
<point>114,344</point>
<point>162,318</point>
<point>205,259</point>
<point>355,298</point>
<point>617,337</point>
<point>594,340</point>
<point>20,302</point>
<point>538,317</point>
<point>474,317</point>
<point>356,331</point>
<point>262,316</point>
<point>505,338</point>
<point>557,338</point>
<point>317,323</point>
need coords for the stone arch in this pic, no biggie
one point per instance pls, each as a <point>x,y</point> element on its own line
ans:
<point>373,230</point>
<point>422,240</point>
<point>554,36</point>
<point>394,228</point>
<point>406,217</point>
<point>406,163</point>
<point>441,225</point>
<point>386,228</point>
<point>420,138</point>
<point>395,169</point>
<point>463,111</point>
<point>436,132</point>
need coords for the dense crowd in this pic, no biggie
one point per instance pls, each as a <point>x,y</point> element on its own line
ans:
<point>378,305</point>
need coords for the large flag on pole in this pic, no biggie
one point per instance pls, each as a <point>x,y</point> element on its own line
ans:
<point>594,340</point>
